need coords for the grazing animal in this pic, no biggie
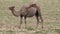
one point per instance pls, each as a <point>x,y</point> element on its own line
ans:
<point>30,11</point>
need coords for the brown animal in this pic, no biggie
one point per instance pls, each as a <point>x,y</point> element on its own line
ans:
<point>30,11</point>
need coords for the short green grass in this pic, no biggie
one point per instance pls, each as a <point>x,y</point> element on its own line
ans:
<point>57,30</point>
<point>30,28</point>
<point>10,32</point>
<point>50,10</point>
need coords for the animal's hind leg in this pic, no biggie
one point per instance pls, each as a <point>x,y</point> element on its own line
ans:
<point>41,20</point>
<point>37,21</point>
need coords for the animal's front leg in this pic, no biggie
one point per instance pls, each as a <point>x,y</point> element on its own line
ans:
<point>25,22</point>
<point>20,21</point>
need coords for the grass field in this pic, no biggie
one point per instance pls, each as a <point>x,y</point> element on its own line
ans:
<point>50,10</point>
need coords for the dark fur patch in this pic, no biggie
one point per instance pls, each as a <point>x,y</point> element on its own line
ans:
<point>36,14</point>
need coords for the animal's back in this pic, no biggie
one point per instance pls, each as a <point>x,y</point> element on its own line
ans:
<point>29,12</point>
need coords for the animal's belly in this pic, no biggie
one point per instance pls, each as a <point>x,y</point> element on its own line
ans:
<point>30,14</point>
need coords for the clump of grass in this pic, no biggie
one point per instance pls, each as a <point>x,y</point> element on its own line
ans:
<point>9,32</point>
<point>29,28</point>
<point>57,30</point>
<point>38,32</point>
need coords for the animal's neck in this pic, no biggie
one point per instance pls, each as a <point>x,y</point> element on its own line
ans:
<point>15,13</point>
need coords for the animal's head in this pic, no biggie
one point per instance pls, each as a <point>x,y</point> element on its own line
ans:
<point>12,7</point>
